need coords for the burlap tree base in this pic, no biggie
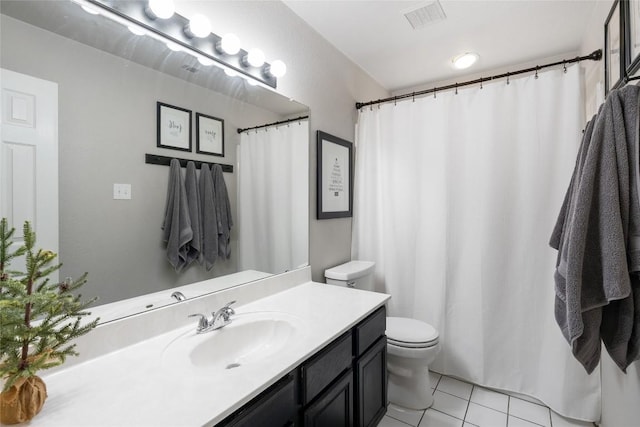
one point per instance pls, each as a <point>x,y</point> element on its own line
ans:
<point>23,400</point>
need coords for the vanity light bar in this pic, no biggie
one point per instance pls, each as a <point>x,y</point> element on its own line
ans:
<point>171,30</point>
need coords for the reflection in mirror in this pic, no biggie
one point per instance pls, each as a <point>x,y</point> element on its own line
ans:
<point>109,81</point>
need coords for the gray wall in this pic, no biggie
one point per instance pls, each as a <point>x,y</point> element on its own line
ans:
<point>107,119</point>
<point>318,76</point>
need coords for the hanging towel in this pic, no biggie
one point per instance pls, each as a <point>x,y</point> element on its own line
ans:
<point>177,232</point>
<point>193,202</point>
<point>595,235</point>
<point>223,212</point>
<point>209,223</point>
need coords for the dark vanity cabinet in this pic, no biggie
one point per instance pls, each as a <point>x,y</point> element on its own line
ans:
<point>344,384</point>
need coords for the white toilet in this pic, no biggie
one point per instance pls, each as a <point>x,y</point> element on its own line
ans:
<point>411,344</point>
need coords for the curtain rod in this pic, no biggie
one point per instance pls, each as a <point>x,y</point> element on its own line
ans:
<point>274,124</point>
<point>594,56</point>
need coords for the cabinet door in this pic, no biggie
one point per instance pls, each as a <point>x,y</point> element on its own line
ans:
<point>371,385</point>
<point>275,407</point>
<point>334,408</point>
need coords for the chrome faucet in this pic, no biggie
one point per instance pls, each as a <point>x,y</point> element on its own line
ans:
<point>220,319</point>
<point>178,296</point>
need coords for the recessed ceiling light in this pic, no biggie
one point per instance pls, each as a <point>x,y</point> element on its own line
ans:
<point>465,60</point>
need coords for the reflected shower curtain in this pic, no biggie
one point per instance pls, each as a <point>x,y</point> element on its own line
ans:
<point>273,198</point>
<point>455,199</point>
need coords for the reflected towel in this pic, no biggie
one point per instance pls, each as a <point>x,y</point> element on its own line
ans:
<point>223,212</point>
<point>209,223</point>
<point>193,202</point>
<point>177,232</point>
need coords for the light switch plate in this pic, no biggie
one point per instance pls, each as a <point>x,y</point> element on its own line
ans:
<point>122,191</point>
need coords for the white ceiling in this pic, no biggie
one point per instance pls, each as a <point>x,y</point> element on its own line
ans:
<point>377,36</point>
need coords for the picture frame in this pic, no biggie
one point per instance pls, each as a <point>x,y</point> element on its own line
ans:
<point>209,135</point>
<point>173,127</point>
<point>614,57</point>
<point>632,36</point>
<point>334,176</point>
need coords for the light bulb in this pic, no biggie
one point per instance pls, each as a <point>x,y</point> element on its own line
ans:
<point>90,9</point>
<point>163,9</point>
<point>255,57</point>
<point>230,44</point>
<point>198,26</point>
<point>278,68</point>
<point>174,46</point>
<point>136,30</point>
<point>205,61</point>
<point>465,60</point>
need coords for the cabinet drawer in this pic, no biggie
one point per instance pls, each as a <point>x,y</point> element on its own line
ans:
<point>325,367</point>
<point>370,329</point>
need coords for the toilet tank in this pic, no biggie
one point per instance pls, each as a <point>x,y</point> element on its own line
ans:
<point>353,274</point>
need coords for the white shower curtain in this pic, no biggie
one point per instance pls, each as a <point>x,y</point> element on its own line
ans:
<point>273,198</point>
<point>455,200</point>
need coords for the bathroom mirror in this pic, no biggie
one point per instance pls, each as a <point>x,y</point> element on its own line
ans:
<point>109,82</point>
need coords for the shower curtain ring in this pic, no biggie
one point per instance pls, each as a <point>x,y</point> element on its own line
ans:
<point>507,78</point>
<point>413,96</point>
<point>536,76</point>
<point>480,82</point>
<point>395,101</point>
<point>456,88</point>
<point>564,67</point>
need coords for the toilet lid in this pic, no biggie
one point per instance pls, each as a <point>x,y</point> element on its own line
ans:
<point>407,332</point>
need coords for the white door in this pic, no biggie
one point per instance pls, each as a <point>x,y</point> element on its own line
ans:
<point>29,158</point>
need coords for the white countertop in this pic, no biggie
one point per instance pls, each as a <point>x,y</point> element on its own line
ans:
<point>135,387</point>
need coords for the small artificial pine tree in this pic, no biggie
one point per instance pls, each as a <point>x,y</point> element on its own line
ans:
<point>38,319</point>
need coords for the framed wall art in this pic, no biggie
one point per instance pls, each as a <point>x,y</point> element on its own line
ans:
<point>613,48</point>
<point>335,177</point>
<point>209,135</point>
<point>632,35</point>
<point>174,127</point>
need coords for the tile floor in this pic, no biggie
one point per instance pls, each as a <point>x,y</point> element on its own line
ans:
<point>460,404</point>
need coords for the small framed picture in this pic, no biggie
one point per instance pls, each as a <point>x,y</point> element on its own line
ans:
<point>613,44</point>
<point>174,127</point>
<point>335,177</point>
<point>209,135</point>
<point>632,32</point>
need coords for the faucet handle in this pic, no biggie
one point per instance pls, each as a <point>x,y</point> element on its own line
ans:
<point>203,323</point>
<point>228,309</point>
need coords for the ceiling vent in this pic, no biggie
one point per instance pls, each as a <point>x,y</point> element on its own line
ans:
<point>424,15</point>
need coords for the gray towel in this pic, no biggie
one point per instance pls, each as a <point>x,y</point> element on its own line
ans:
<point>209,223</point>
<point>193,201</point>
<point>177,224</point>
<point>599,219</point>
<point>223,212</point>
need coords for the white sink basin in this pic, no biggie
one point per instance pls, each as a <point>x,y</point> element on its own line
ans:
<point>249,340</point>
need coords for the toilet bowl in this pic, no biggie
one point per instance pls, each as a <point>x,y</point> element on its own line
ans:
<point>411,344</point>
